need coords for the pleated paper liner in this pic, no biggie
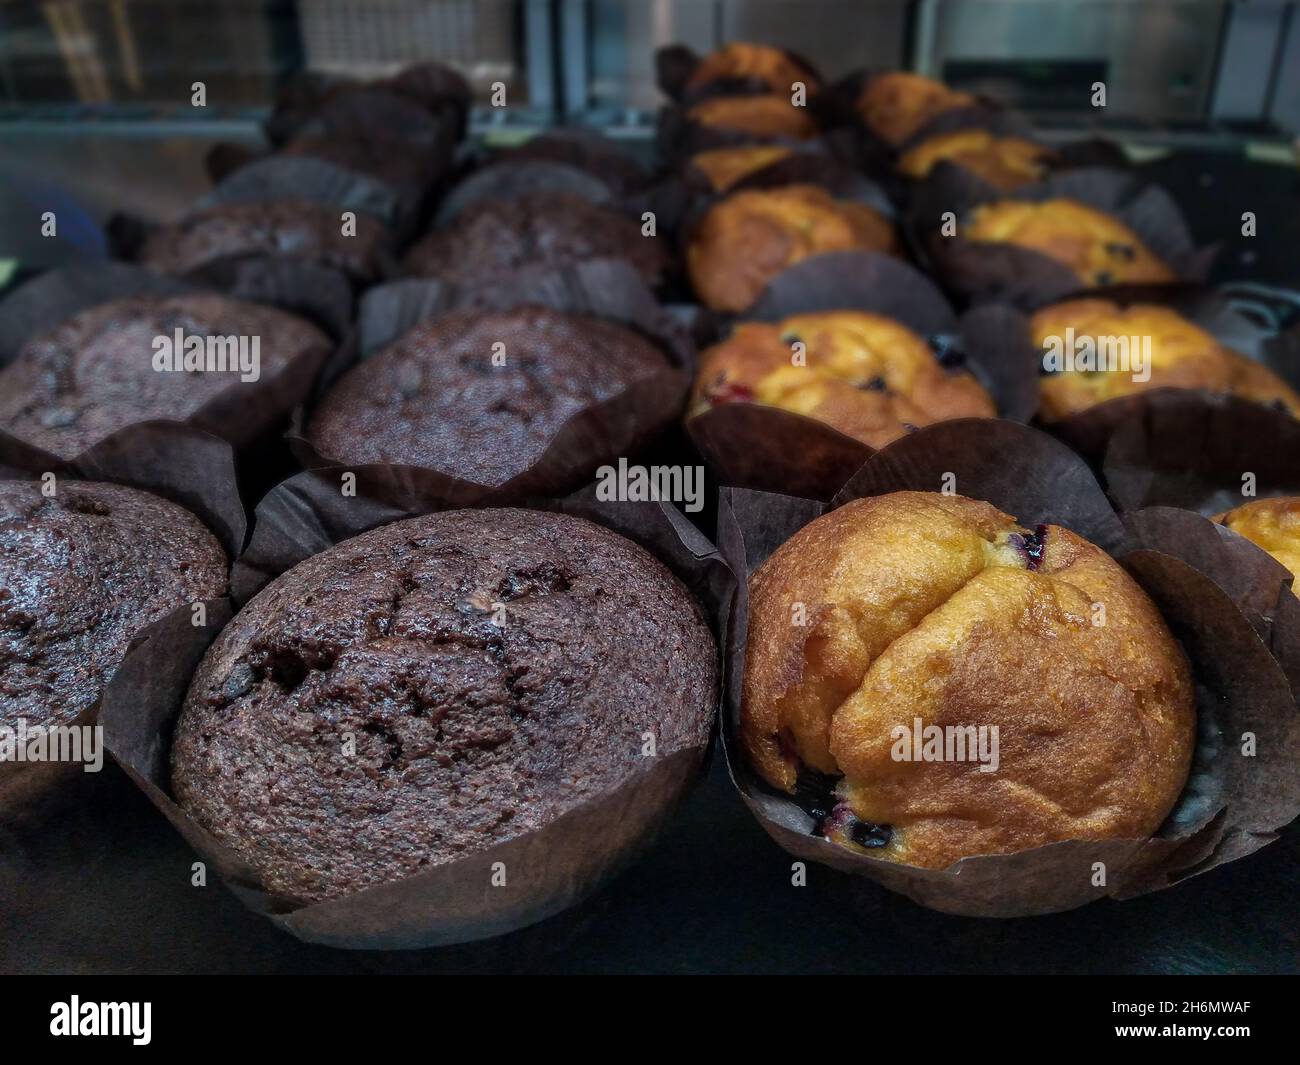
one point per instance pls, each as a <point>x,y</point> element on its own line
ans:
<point>754,446</point>
<point>1231,805</point>
<point>618,426</point>
<point>551,868</point>
<point>985,271</point>
<point>249,418</point>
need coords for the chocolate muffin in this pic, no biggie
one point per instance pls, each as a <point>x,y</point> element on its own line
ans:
<point>1181,355</point>
<point>1099,248</point>
<point>391,160</point>
<point>495,236</point>
<point>1272,524</point>
<point>1003,162</point>
<point>299,229</point>
<point>898,613</point>
<point>760,63</point>
<point>435,399</point>
<point>82,573</point>
<point>94,374</point>
<point>747,239</point>
<point>433,688</point>
<point>765,116</point>
<point>867,375</point>
<point>899,105</point>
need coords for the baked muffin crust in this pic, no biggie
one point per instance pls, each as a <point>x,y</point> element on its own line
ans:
<point>726,166</point>
<point>1272,524</point>
<point>1004,162</point>
<point>760,115</point>
<point>466,732</point>
<point>898,105</point>
<point>82,573</point>
<point>942,608</point>
<point>1100,249</point>
<point>1182,356</point>
<point>748,238</point>
<point>866,375</point>
<point>739,61</point>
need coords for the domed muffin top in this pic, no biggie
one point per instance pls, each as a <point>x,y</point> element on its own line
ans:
<point>898,105</point>
<point>741,61</point>
<point>918,609</point>
<point>764,115</point>
<point>1150,346</point>
<point>490,238</point>
<point>481,393</point>
<point>867,375</point>
<point>1099,248</point>
<point>95,373</point>
<point>435,687</point>
<point>82,573</point>
<point>1272,524</point>
<point>725,166</point>
<point>1004,162</point>
<point>745,240</point>
<point>301,229</point>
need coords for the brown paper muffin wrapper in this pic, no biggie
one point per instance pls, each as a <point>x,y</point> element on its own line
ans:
<point>1230,806</point>
<point>754,446</point>
<point>984,271</point>
<point>621,425</point>
<point>587,150</point>
<point>551,868</point>
<point>191,461</point>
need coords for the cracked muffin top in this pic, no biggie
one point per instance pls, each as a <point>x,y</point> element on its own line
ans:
<point>765,115</point>
<point>494,236</point>
<point>1005,162</point>
<point>1181,355</point>
<point>898,105</point>
<point>82,573</point>
<point>747,239</point>
<point>94,374</point>
<point>866,375</point>
<point>1097,247</point>
<point>435,687</point>
<point>917,605</point>
<point>437,398</point>
<point>1272,524</point>
<point>741,61</point>
<point>300,229</point>
<point>723,167</point>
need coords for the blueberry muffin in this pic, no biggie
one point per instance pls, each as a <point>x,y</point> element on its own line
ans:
<point>495,236</point>
<point>433,688</point>
<point>1181,355</point>
<point>1004,162</point>
<point>898,105</point>
<point>83,573</point>
<point>896,613</point>
<point>740,61</point>
<point>724,167</point>
<point>1099,248</point>
<point>868,376</point>
<point>747,239</point>
<point>1272,524</point>
<point>436,398</point>
<point>94,374</point>
<point>768,116</point>
<point>298,229</point>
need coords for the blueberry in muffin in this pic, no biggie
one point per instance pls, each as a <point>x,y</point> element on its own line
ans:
<point>895,613</point>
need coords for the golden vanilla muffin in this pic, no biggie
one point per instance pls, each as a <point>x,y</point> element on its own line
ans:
<point>725,166</point>
<point>897,620</point>
<point>760,116</point>
<point>1137,348</point>
<point>1099,248</point>
<point>868,376</point>
<point>1004,162</point>
<point>743,242</point>
<point>897,106</point>
<point>739,61</point>
<point>1272,524</point>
